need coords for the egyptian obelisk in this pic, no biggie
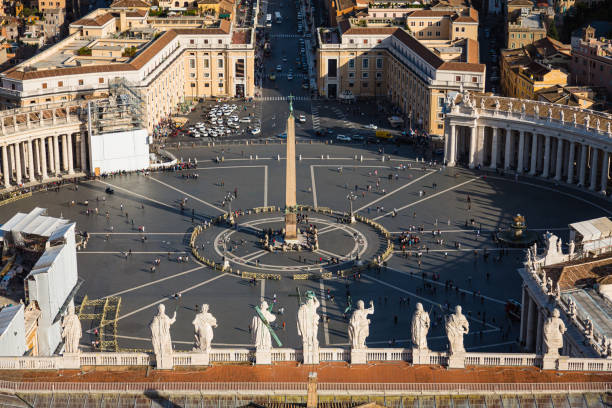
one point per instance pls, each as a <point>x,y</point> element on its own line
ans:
<point>290,200</point>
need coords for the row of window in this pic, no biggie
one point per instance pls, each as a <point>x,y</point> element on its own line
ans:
<point>365,75</point>
<point>365,63</point>
<point>61,83</point>
<point>422,23</point>
<point>206,62</point>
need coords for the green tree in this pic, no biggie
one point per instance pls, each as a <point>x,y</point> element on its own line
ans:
<point>84,52</point>
<point>552,31</point>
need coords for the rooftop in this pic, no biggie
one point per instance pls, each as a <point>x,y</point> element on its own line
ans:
<point>34,223</point>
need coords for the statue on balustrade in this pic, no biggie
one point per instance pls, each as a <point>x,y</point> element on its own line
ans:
<point>260,331</point>
<point>420,327</point>
<point>203,325</point>
<point>587,121</point>
<point>308,328</point>
<point>597,123</point>
<point>553,334</point>
<point>497,104</point>
<point>359,325</point>
<point>160,331</point>
<point>536,111</point>
<point>71,331</point>
<point>456,327</point>
<point>562,115</point>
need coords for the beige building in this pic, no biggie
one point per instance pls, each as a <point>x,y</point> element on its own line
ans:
<point>448,25</point>
<point>390,63</point>
<point>523,28</point>
<point>44,5</point>
<point>164,67</point>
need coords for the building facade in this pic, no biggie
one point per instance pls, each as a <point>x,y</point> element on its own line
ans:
<point>592,61</point>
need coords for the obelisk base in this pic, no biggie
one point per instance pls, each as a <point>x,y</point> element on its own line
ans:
<point>290,226</point>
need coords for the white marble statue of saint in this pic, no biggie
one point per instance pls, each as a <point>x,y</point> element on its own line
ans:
<point>203,324</point>
<point>497,104</point>
<point>420,327</point>
<point>456,327</point>
<point>587,121</point>
<point>597,123</point>
<point>553,334</point>
<point>160,331</point>
<point>308,327</point>
<point>536,111</point>
<point>359,325</point>
<point>609,127</point>
<point>482,103</point>
<point>71,331</point>
<point>562,115</point>
<point>260,334</point>
<point>575,118</point>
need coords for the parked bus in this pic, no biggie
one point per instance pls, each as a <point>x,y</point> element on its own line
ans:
<point>277,17</point>
<point>268,20</point>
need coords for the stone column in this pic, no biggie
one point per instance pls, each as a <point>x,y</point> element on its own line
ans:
<point>64,153</point>
<point>559,161</point>
<point>70,158</point>
<point>453,145</point>
<point>539,336</point>
<point>494,149</point>
<point>31,162</point>
<point>593,169</point>
<point>531,322</point>
<point>583,159</point>
<point>5,167</point>
<point>545,170</point>
<point>533,168</point>
<point>51,155</point>
<point>480,146</point>
<point>524,313</point>
<point>83,146</point>
<point>507,152</point>
<point>570,163</point>
<point>37,156</point>
<point>56,157</point>
<point>519,165</point>
<point>472,162</point>
<point>43,158</point>
<point>605,161</point>
<point>12,158</point>
<point>17,163</point>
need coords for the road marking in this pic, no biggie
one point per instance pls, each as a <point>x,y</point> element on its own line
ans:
<point>133,252</point>
<point>253,255</point>
<point>501,302</point>
<point>423,299</point>
<point>187,194</point>
<point>153,282</point>
<point>140,309</point>
<point>482,230</point>
<point>230,167</point>
<point>430,172</point>
<point>140,233</point>
<point>428,197</point>
<point>265,186</point>
<point>324,310</point>
<point>136,194</point>
<point>314,187</point>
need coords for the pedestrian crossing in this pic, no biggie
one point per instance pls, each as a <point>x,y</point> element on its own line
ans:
<point>342,117</point>
<point>282,98</point>
<point>301,76</point>
<point>316,121</point>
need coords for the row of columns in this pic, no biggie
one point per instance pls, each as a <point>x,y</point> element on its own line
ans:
<point>38,159</point>
<point>529,152</point>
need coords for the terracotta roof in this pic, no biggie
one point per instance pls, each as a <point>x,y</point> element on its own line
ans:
<point>136,13</point>
<point>129,4</point>
<point>138,62</point>
<point>431,13</point>
<point>462,66</point>
<point>520,3</point>
<point>208,1</point>
<point>241,37</point>
<point>388,372</point>
<point>472,51</point>
<point>98,21</point>
<point>579,273</point>
<point>416,46</point>
<point>370,31</point>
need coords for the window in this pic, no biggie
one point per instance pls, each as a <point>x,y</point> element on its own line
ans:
<point>100,80</point>
<point>351,63</point>
<point>206,63</point>
<point>364,85</point>
<point>332,68</point>
<point>205,41</point>
<point>192,75</point>
<point>365,41</point>
<point>457,29</point>
<point>351,84</point>
<point>220,84</point>
<point>60,83</point>
<point>351,75</point>
<point>191,41</point>
<point>440,126</point>
<point>80,82</point>
<point>429,24</point>
<point>44,85</point>
<point>412,24</point>
<point>474,79</point>
<point>192,64</point>
<point>239,67</point>
<point>463,29</point>
<point>437,33</point>
<point>364,75</point>
<point>421,24</point>
<point>378,41</point>
<point>420,33</point>
<point>365,63</point>
<point>429,33</point>
<point>379,75</point>
<point>379,63</point>
<point>351,41</point>
<point>220,63</point>
<point>220,41</point>
<point>458,78</point>
<point>206,75</point>
<point>206,85</point>
<point>193,84</point>
<point>440,101</point>
<point>437,23</point>
<point>220,74</point>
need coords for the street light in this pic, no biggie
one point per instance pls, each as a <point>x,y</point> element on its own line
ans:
<point>351,197</point>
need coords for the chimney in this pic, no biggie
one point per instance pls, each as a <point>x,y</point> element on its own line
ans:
<point>311,401</point>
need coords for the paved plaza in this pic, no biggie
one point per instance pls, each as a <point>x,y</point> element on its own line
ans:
<point>427,197</point>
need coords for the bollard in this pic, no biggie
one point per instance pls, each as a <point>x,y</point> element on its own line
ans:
<point>321,157</point>
<point>328,157</point>
<point>278,157</point>
<point>256,157</point>
<point>361,158</point>
<point>251,157</point>
<point>383,158</point>
<point>300,157</point>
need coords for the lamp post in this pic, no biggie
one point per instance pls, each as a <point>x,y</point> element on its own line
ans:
<point>351,197</point>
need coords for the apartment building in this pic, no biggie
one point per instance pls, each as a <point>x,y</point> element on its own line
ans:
<point>524,27</point>
<point>165,66</point>
<point>389,62</point>
<point>443,24</point>
<point>44,5</point>
<point>592,61</point>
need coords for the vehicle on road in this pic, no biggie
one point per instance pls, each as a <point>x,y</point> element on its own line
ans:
<point>343,138</point>
<point>255,131</point>
<point>358,138</point>
<point>302,118</point>
<point>372,126</point>
<point>109,190</point>
<point>268,20</point>
<point>277,17</point>
<point>245,119</point>
<point>290,75</point>
<point>279,68</point>
<point>272,77</point>
<point>282,135</point>
<point>305,84</point>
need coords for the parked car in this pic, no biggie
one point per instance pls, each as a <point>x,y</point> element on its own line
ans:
<point>372,126</point>
<point>358,138</point>
<point>343,138</point>
<point>302,118</point>
<point>245,119</point>
<point>282,136</point>
<point>255,131</point>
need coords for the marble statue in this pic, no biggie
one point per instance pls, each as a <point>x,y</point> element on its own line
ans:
<point>572,308</point>
<point>557,291</point>
<point>609,127</point>
<point>575,119</point>
<point>160,331</point>
<point>549,113</point>
<point>559,243</point>
<point>359,325</point>
<point>553,253</point>
<point>260,334</point>
<point>71,331</point>
<point>572,248</point>
<point>420,327</point>
<point>456,327</point>
<point>597,123</point>
<point>536,111</point>
<point>510,106</point>
<point>203,324</point>
<point>497,104</point>
<point>523,107</point>
<point>553,333</point>
<point>482,103</point>
<point>562,115</point>
<point>549,286</point>
<point>588,328</point>
<point>308,328</point>
<point>587,121</point>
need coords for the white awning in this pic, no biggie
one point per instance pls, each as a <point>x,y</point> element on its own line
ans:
<point>593,229</point>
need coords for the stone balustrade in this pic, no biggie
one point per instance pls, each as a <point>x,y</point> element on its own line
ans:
<point>331,354</point>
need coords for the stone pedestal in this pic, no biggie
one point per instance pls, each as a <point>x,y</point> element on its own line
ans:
<point>164,362</point>
<point>71,361</point>
<point>420,356</point>
<point>263,357</point>
<point>290,227</point>
<point>456,360</point>
<point>549,362</point>
<point>226,265</point>
<point>200,359</point>
<point>311,357</point>
<point>359,356</point>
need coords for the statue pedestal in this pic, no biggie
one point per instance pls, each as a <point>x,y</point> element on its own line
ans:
<point>71,361</point>
<point>420,356</point>
<point>164,362</point>
<point>263,357</point>
<point>226,265</point>
<point>456,360</point>
<point>200,359</point>
<point>359,356</point>
<point>549,362</point>
<point>311,357</point>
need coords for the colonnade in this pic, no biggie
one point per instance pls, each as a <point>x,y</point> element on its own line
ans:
<point>532,152</point>
<point>38,159</point>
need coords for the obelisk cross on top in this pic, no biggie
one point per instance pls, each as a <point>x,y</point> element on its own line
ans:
<point>290,186</point>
